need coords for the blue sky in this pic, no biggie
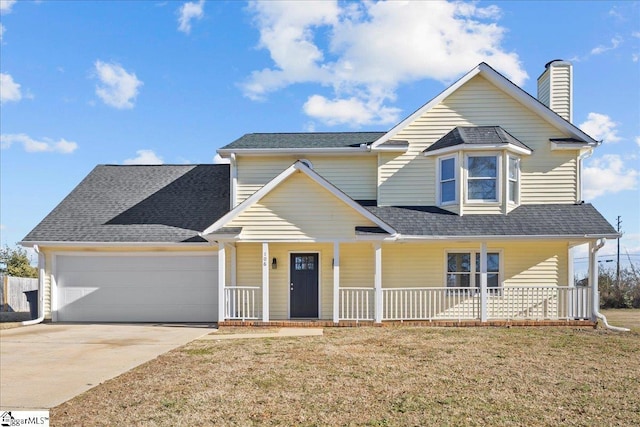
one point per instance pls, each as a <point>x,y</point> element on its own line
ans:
<point>102,82</point>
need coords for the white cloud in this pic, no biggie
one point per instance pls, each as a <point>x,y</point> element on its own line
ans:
<point>615,42</point>
<point>607,174</point>
<point>6,5</point>
<point>31,145</point>
<point>638,140</point>
<point>145,157</point>
<point>188,12</point>
<point>9,90</point>
<point>219,160</point>
<point>118,88</point>
<point>2,30</point>
<point>600,127</point>
<point>372,48</point>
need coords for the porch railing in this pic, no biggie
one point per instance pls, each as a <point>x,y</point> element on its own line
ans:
<point>540,303</point>
<point>430,304</point>
<point>357,304</point>
<point>242,302</point>
<point>443,303</point>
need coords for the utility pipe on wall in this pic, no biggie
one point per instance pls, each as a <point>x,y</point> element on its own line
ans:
<point>41,260</point>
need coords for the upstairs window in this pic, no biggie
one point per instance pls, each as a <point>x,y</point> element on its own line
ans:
<point>513,179</point>
<point>447,180</point>
<point>482,178</point>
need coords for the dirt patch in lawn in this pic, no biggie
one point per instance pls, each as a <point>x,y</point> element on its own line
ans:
<point>377,377</point>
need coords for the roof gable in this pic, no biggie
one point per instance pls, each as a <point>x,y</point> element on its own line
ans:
<point>503,84</point>
<point>298,166</point>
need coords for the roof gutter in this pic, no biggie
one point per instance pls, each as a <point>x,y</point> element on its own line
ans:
<point>28,244</point>
<point>41,261</point>
<point>507,237</point>
<point>363,149</point>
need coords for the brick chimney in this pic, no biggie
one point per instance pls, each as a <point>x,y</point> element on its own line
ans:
<point>555,88</point>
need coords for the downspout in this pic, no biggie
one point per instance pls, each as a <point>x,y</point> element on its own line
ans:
<point>581,158</point>
<point>594,283</point>
<point>41,260</point>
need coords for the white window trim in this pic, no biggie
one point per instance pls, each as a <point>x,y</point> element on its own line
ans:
<point>456,176</point>
<point>473,253</point>
<point>517,180</point>
<point>498,200</point>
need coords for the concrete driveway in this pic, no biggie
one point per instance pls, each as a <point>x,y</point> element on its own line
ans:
<point>42,366</point>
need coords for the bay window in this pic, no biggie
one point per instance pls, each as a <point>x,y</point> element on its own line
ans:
<point>482,178</point>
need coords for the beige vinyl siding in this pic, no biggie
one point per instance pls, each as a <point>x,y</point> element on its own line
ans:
<point>299,209</point>
<point>524,263</point>
<point>543,88</point>
<point>546,176</point>
<point>560,90</point>
<point>355,175</point>
<point>357,265</point>
<point>536,263</point>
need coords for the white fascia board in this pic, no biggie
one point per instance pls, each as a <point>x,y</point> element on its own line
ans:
<point>285,151</point>
<point>41,244</point>
<point>478,147</point>
<point>426,107</point>
<point>557,146</point>
<point>301,167</point>
<point>586,237</point>
<point>391,148</point>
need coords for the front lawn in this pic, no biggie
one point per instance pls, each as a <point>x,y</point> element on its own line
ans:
<point>380,376</point>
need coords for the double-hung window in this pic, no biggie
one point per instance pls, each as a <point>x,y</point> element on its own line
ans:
<point>482,178</point>
<point>447,180</point>
<point>513,176</point>
<point>463,273</point>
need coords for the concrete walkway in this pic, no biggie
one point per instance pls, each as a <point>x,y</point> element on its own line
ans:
<point>42,366</point>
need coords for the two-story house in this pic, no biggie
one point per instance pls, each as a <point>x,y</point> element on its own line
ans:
<point>467,210</point>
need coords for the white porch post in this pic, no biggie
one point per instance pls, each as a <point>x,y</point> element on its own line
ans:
<point>377,281</point>
<point>483,281</point>
<point>265,282</point>
<point>593,278</point>
<point>571,300</point>
<point>221,282</point>
<point>336,282</point>
<point>234,266</point>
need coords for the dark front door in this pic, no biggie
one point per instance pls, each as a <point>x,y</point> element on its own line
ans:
<point>303,288</point>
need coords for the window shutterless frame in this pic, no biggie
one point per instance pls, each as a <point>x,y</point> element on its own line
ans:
<point>447,178</point>
<point>483,177</point>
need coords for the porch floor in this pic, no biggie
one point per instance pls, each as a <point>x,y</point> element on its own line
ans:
<point>433,323</point>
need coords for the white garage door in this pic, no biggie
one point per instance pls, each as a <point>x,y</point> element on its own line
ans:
<point>137,288</point>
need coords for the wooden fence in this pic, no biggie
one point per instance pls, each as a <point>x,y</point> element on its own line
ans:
<point>12,293</point>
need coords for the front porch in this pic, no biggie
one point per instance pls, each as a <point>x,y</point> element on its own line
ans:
<point>356,292</point>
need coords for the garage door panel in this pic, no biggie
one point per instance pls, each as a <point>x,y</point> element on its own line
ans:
<point>135,288</point>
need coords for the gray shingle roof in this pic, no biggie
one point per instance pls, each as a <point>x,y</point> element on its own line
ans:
<point>525,220</point>
<point>303,140</point>
<point>165,203</point>
<point>476,135</point>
